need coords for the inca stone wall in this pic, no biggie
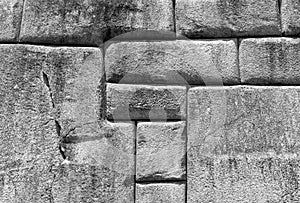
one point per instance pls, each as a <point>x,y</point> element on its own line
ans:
<point>148,101</point>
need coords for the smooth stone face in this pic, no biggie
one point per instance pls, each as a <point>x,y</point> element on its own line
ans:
<point>160,151</point>
<point>270,61</point>
<point>90,22</point>
<point>173,62</point>
<point>132,102</point>
<point>29,141</point>
<point>227,18</point>
<point>99,169</point>
<point>167,193</point>
<point>10,19</point>
<point>235,136</point>
<point>290,17</point>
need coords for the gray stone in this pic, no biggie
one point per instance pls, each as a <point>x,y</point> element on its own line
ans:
<point>99,169</point>
<point>89,22</point>
<point>243,144</point>
<point>270,61</point>
<point>10,19</point>
<point>160,153</point>
<point>227,18</point>
<point>173,62</point>
<point>132,102</point>
<point>166,193</point>
<point>290,17</point>
<point>29,141</point>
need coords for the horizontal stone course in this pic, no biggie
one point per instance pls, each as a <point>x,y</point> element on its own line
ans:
<point>226,18</point>
<point>162,192</point>
<point>270,61</point>
<point>160,151</point>
<point>133,102</point>
<point>173,62</point>
<point>90,22</point>
<point>243,143</point>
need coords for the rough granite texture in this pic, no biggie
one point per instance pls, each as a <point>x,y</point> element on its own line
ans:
<point>270,61</point>
<point>90,22</point>
<point>132,102</point>
<point>29,142</point>
<point>290,17</point>
<point>160,151</point>
<point>243,144</point>
<point>227,18</point>
<point>163,192</point>
<point>99,169</point>
<point>173,62</point>
<point>10,19</point>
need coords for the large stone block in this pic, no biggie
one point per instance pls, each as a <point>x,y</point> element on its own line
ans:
<point>166,193</point>
<point>160,153</point>
<point>270,61</point>
<point>132,102</point>
<point>10,19</point>
<point>90,22</point>
<point>234,136</point>
<point>46,94</point>
<point>227,18</point>
<point>290,17</point>
<point>173,62</point>
<point>29,141</point>
<point>99,169</point>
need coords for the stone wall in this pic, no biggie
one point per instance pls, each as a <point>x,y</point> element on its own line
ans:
<point>146,101</point>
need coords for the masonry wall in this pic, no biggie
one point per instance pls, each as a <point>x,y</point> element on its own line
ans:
<point>149,101</point>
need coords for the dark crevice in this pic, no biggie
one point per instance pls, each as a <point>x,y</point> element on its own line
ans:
<point>175,181</point>
<point>61,142</point>
<point>174,14</point>
<point>238,43</point>
<point>21,20</point>
<point>47,83</point>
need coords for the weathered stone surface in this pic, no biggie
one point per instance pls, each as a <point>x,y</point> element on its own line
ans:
<point>227,18</point>
<point>10,19</point>
<point>161,151</point>
<point>173,62</point>
<point>290,17</point>
<point>270,61</point>
<point>90,22</point>
<point>29,141</point>
<point>231,133</point>
<point>166,193</point>
<point>101,169</point>
<point>132,102</point>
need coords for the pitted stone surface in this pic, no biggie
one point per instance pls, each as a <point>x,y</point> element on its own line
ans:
<point>10,19</point>
<point>160,151</point>
<point>29,141</point>
<point>132,102</point>
<point>290,17</point>
<point>270,61</point>
<point>227,18</point>
<point>173,62</point>
<point>90,22</point>
<point>235,136</point>
<point>100,169</point>
<point>166,193</point>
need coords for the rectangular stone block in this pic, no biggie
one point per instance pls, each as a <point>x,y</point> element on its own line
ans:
<point>10,19</point>
<point>90,22</point>
<point>290,17</point>
<point>133,102</point>
<point>227,18</point>
<point>29,141</point>
<point>100,169</point>
<point>234,134</point>
<point>166,193</point>
<point>160,153</point>
<point>179,62</point>
<point>270,61</point>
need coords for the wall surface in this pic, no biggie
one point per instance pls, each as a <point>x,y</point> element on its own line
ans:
<point>149,101</point>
